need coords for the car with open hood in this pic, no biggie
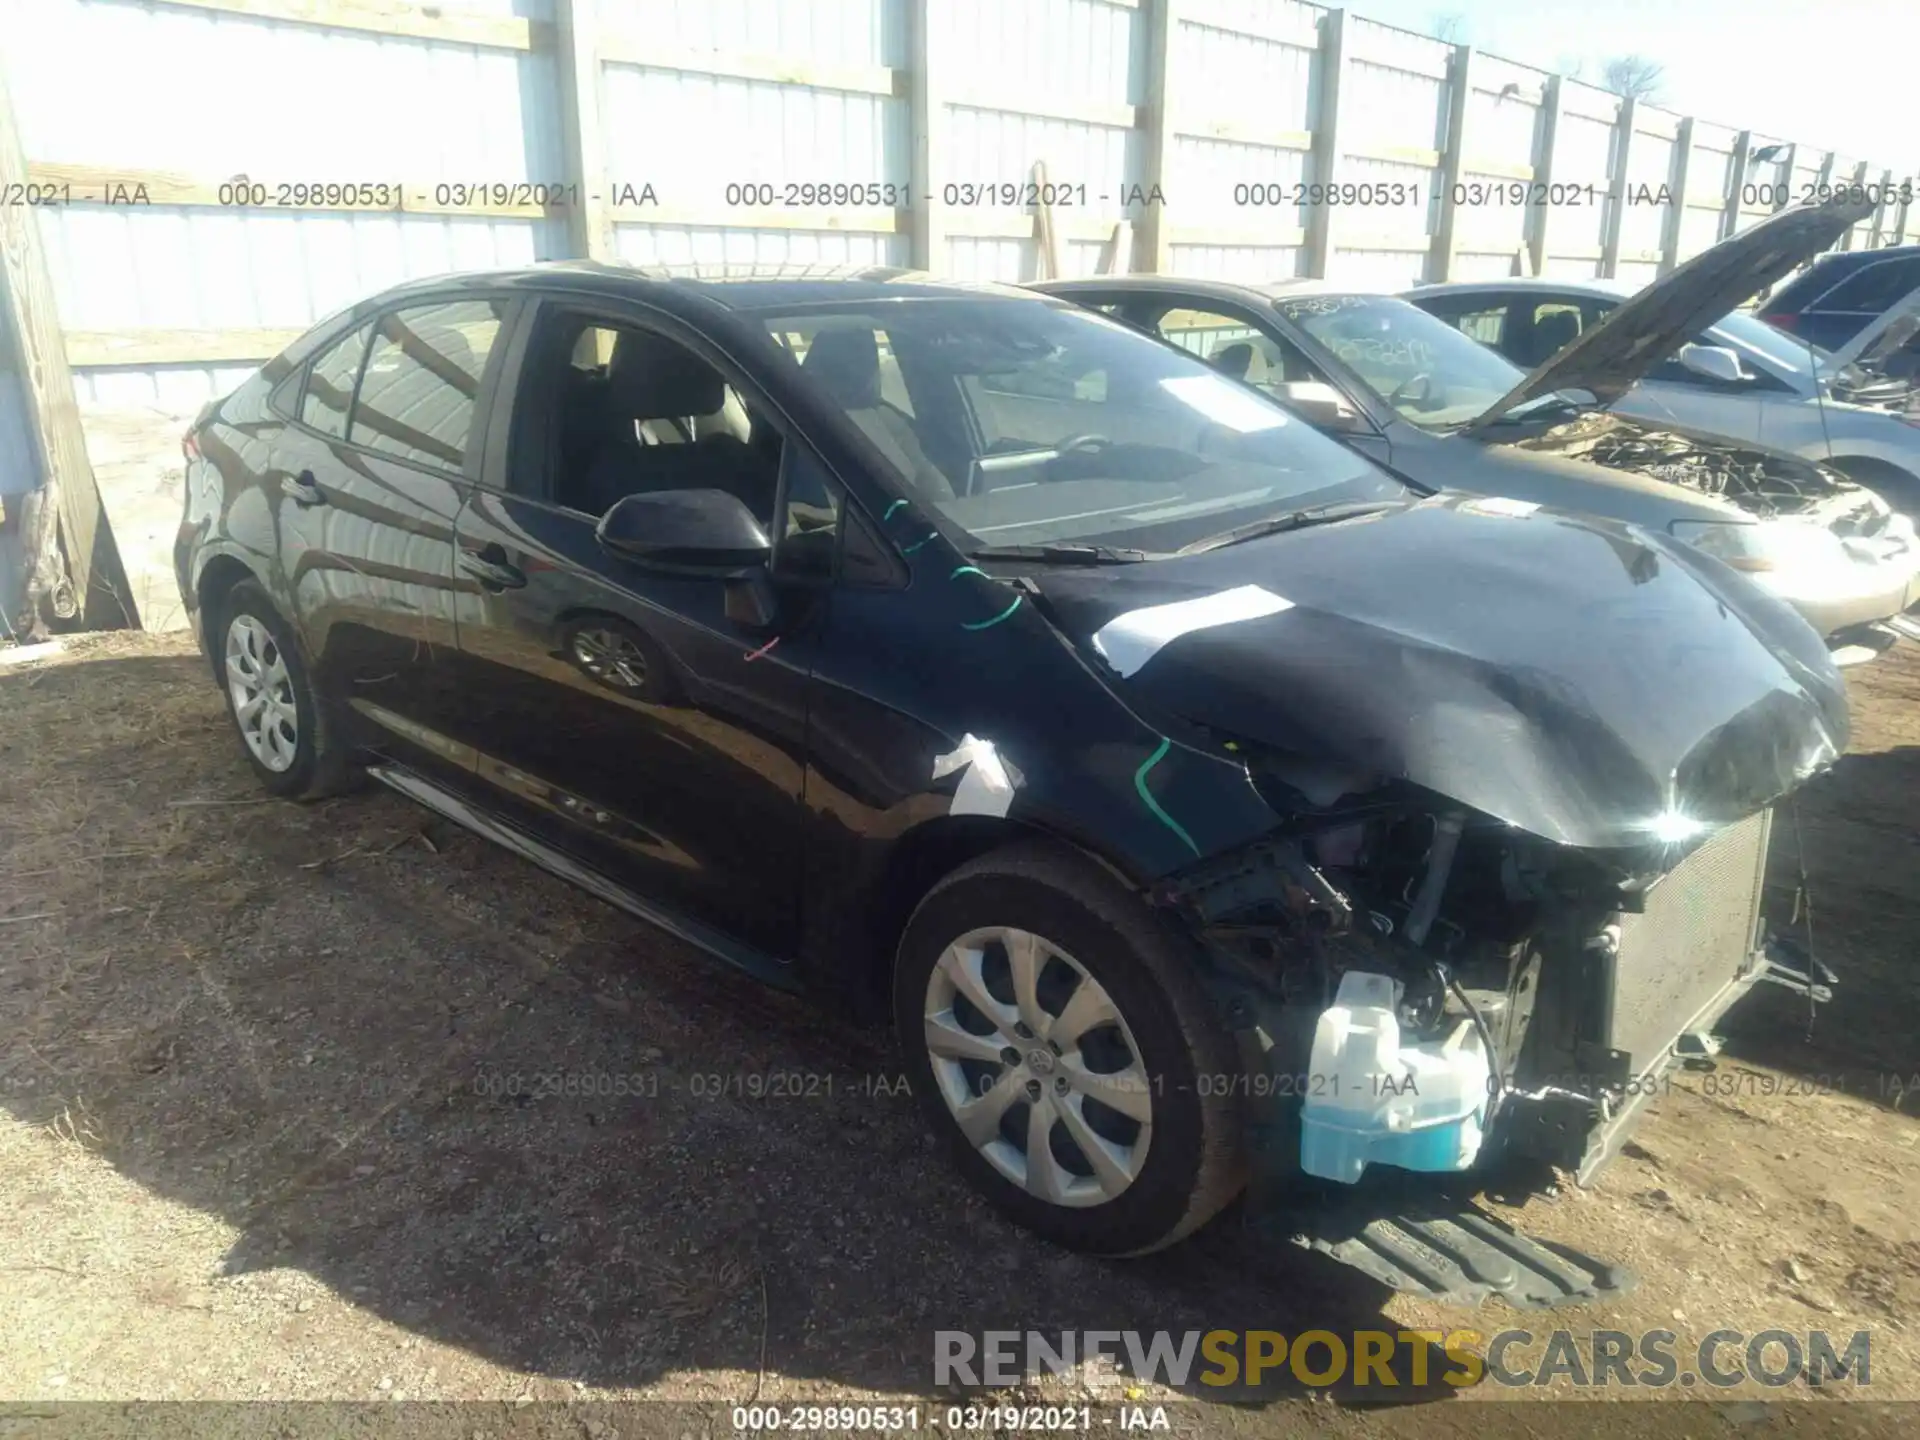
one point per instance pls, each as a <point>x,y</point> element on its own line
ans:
<point>1184,785</point>
<point>1415,393</point>
<point>1853,409</point>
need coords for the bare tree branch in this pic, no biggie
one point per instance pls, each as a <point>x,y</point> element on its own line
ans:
<point>1634,76</point>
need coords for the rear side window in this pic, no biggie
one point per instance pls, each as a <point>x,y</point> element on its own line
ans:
<point>1485,326</point>
<point>1478,316</point>
<point>330,384</point>
<point>422,378</point>
<point>1874,288</point>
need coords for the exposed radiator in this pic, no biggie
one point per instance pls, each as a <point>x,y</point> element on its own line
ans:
<point>1696,935</point>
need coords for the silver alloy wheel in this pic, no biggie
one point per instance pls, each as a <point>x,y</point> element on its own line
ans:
<point>261,690</point>
<point>612,658</point>
<point>1003,1048</point>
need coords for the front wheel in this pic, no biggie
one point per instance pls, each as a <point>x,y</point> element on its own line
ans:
<point>1060,1042</point>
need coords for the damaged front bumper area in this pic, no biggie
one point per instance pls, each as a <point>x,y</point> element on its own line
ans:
<point>1429,1004</point>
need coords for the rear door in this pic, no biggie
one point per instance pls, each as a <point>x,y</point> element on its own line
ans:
<point>629,718</point>
<point>369,477</point>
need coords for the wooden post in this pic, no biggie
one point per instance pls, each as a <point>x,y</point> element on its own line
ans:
<point>927,245</point>
<point>1543,175</point>
<point>1446,234</point>
<point>1327,144</point>
<point>72,568</point>
<point>1823,180</point>
<point>1153,247</point>
<point>577,40</point>
<point>1673,234</point>
<point>1623,121</point>
<point>1787,163</point>
<point>1860,174</point>
<point>1045,234</point>
<point>1879,230</point>
<point>1736,182</point>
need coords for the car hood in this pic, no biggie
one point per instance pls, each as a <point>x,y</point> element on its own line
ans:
<point>1586,681</point>
<point>1653,324</point>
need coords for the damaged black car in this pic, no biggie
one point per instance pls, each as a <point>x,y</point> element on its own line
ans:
<point>1408,389</point>
<point>1200,799</point>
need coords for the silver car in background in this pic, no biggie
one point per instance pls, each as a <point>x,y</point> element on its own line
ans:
<point>1401,385</point>
<point>1739,376</point>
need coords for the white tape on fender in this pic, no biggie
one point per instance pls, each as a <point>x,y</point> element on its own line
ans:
<point>1128,641</point>
<point>1500,505</point>
<point>986,788</point>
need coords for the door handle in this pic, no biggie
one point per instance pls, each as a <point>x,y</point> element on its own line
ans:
<point>302,490</point>
<point>493,574</point>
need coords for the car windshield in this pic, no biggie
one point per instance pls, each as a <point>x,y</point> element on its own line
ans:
<point>1423,367</point>
<point>1028,423</point>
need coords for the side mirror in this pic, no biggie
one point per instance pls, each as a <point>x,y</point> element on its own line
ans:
<point>688,532</point>
<point>1715,362</point>
<point>1319,404</point>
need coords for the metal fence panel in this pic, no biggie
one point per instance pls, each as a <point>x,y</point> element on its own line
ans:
<point>168,302</point>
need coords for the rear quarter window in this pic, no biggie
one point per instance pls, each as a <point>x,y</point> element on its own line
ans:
<point>423,372</point>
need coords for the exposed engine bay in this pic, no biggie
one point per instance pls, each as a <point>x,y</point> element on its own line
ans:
<point>1764,483</point>
<point>1549,985</point>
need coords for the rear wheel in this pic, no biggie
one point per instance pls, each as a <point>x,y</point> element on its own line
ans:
<point>284,730</point>
<point>1060,1042</point>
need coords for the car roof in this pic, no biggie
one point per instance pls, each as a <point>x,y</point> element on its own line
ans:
<point>1826,272</point>
<point>1217,289</point>
<point>1587,286</point>
<point>1847,259</point>
<point>743,288</point>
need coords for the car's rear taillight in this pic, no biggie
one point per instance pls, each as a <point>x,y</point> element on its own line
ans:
<point>190,446</point>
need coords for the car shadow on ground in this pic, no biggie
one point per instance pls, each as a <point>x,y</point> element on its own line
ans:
<point>1861,840</point>
<point>486,1107</point>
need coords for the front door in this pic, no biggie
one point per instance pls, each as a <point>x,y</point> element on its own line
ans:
<point>619,712</point>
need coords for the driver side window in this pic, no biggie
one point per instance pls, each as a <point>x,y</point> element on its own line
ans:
<point>632,411</point>
<point>1235,348</point>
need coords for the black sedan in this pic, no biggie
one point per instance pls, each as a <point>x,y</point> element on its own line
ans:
<point>958,652</point>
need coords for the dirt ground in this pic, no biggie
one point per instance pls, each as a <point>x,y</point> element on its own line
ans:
<point>253,1144</point>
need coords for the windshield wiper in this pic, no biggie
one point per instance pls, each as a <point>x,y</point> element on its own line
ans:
<point>1294,520</point>
<point>1062,554</point>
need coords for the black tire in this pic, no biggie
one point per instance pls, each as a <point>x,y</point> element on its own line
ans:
<point>585,635</point>
<point>1195,1160</point>
<point>322,762</point>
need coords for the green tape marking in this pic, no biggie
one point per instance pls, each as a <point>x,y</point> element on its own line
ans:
<point>968,570</point>
<point>989,624</point>
<point>890,509</point>
<point>909,549</point>
<point>1140,784</point>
